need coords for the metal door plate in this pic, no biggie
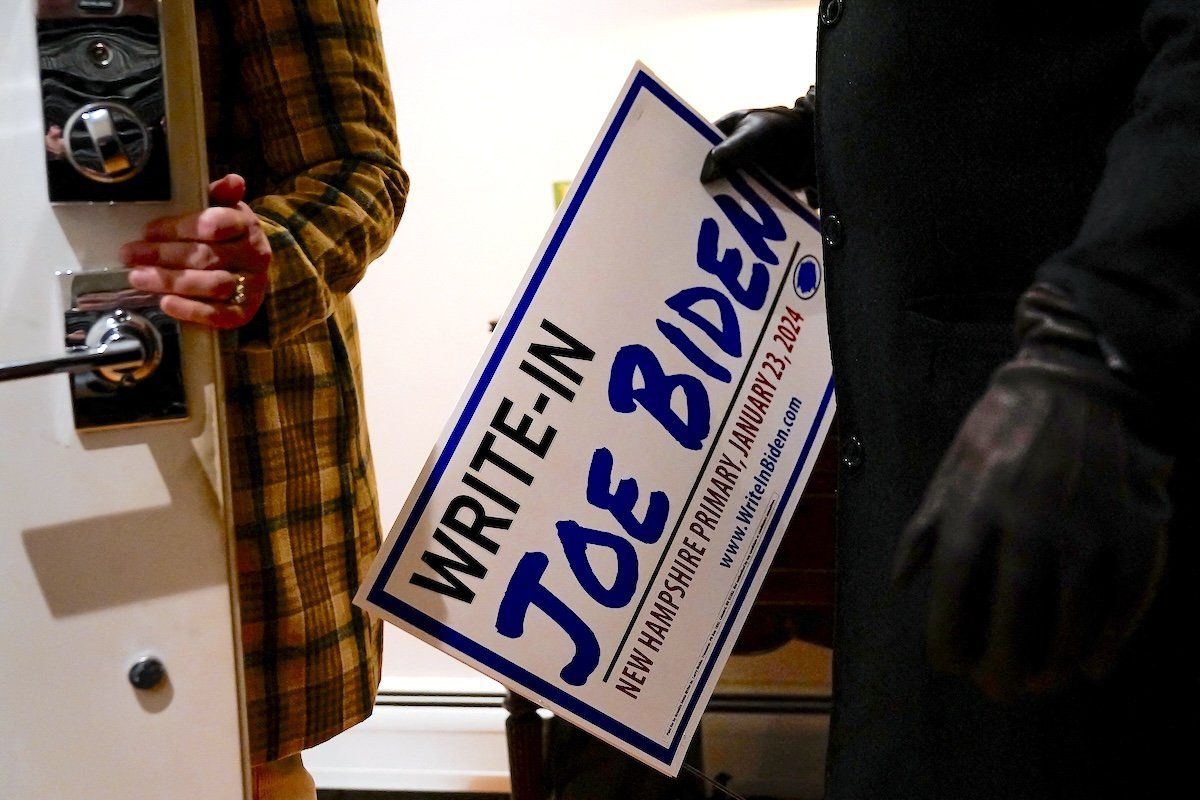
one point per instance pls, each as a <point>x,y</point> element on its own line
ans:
<point>103,100</point>
<point>100,402</point>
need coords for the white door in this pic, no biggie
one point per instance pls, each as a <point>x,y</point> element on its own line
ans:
<point>119,673</point>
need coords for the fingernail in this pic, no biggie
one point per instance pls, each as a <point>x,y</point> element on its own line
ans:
<point>135,277</point>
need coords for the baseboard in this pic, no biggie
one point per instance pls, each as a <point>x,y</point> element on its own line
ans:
<point>448,736</point>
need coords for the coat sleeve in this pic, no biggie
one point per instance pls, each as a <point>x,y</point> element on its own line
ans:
<point>320,99</point>
<point>1134,268</point>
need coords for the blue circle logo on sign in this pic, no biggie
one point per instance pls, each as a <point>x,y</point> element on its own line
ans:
<point>807,278</point>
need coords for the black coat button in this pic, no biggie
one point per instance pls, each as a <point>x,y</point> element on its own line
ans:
<point>831,11</point>
<point>832,231</point>
<point>853,454</point>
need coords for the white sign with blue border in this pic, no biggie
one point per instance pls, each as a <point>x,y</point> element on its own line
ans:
<point>602,506</point>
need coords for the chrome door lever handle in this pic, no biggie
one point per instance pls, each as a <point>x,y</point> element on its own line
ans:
<point>117,353</point>
<point>103,131</point>
<point>122,347</point>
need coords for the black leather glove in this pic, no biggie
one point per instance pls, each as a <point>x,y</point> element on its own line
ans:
<point>777,140</point>
<point>1045,525</point>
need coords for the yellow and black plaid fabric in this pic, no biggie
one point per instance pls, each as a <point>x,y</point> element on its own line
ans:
<point>297,100</point>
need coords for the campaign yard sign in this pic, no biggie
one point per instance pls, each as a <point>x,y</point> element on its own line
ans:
<point>602,506</point>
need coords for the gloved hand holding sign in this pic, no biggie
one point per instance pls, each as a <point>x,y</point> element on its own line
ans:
<point>777,140</point>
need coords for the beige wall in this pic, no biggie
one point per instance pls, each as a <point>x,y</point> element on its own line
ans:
<point>496,102</point>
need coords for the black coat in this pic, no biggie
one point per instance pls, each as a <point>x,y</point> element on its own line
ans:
<point>963,149</point>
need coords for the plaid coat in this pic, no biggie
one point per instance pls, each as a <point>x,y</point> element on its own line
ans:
<point>297,100</point>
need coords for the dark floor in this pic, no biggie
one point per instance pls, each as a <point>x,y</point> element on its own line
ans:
<point>346,794</point>
<point>343,794</point>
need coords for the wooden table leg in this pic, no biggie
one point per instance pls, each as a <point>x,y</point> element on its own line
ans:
<point>523,731</point>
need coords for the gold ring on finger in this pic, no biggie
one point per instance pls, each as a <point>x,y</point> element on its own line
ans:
<point>239,291</point>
